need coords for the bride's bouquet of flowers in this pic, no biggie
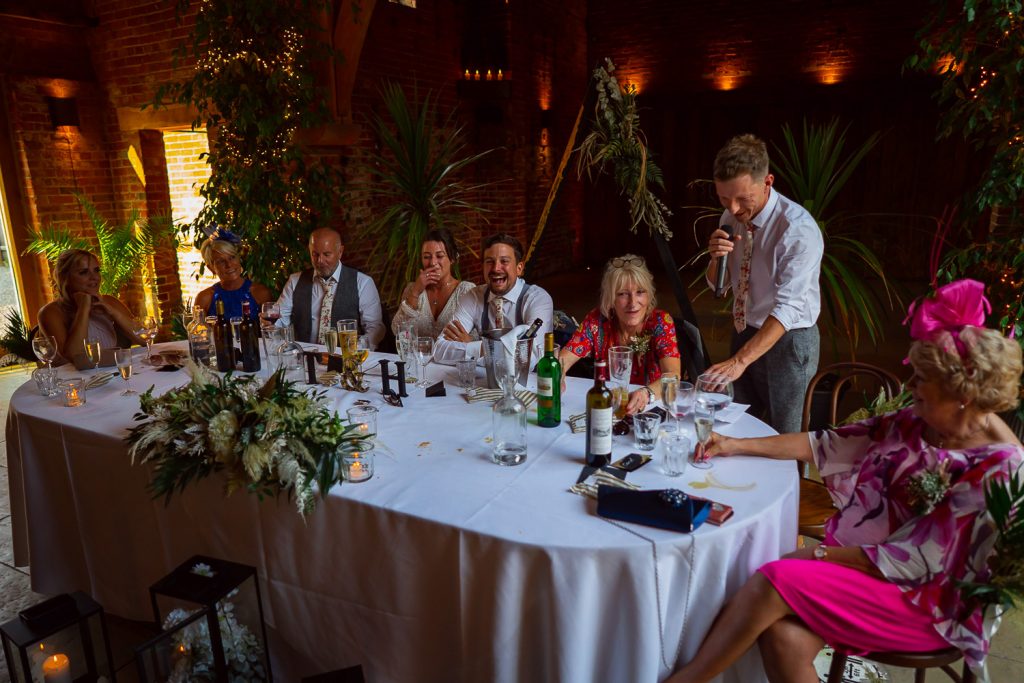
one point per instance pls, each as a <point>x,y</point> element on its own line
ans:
<point>266,438</point>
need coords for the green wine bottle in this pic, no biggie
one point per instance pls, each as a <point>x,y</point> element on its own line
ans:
<point>599,418</point>
<point>549,385</point>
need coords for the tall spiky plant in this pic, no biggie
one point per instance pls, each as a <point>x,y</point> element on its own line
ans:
<point>415,176</point>
<point>124,250</point>
<point>814,168</point>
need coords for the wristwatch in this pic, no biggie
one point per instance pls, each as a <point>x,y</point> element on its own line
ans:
<point>821,552</point>
<point>650,394</point>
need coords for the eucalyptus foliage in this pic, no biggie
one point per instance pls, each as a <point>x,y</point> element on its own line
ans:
<point>416,178</point>
<point>253,88</point>
<point>124,249</point>
<point>616,143</point>
<point>814,168</point>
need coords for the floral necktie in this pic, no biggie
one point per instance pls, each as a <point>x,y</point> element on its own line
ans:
<point>739,310</point>
<point>498,310</point>
<point>325,307</point>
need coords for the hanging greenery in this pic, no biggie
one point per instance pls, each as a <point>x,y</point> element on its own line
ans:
<point>253,88</point>
<point>616,141</point>
<point>415,177</point>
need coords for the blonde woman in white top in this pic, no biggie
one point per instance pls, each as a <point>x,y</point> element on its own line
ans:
<point>430,300</point>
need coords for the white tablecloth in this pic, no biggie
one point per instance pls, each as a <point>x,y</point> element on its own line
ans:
<point>443,567</point>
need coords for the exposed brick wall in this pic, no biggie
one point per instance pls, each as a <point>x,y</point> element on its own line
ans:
<point>186,172</point>
<point>707,71</point>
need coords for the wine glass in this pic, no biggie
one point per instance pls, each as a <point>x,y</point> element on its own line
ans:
<point>271,313</point>
<point>713,393</point>
<point>147,332</point>
<point>94,350</point>
<point>123,359</point>
<point>424,352</point>
<point>406,340</point>
<point>45,348</point>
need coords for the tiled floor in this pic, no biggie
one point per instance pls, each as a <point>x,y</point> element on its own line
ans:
<point>1006,661</point>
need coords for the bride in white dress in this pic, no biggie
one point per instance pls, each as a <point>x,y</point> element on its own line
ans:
<point>430,300</point>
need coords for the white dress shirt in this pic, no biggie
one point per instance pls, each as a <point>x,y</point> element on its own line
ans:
<point>369,304</point>
<point>784,266</point>
<point>537,304</point>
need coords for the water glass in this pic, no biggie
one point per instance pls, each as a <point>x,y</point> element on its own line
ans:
<point>467,373</point>
<point>675,453</point>
<point>366,419</point>
<point>46,381</point>
<point>620,364</point>
<point>73,389</point>
<point>645,430</point>
<point>357,465</point>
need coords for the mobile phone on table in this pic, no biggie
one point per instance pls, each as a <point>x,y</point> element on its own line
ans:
<point>660,412</point>
<point>631,462</point>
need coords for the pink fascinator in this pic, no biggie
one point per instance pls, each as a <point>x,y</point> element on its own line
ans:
<point>941,318</point>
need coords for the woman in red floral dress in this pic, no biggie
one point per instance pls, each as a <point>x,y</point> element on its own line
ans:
<point>626,316</point>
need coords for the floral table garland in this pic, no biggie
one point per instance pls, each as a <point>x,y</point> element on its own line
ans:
<point>268,438</point>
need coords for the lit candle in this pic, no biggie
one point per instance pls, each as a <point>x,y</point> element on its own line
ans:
<point>476,75</point>
<point>467,75</point>
<point>490,76</point>
<point>500,75</point>
<point>357,470</point>
<point>57,669</point>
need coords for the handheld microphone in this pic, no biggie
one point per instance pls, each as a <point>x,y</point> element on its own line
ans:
<point>720,280</point>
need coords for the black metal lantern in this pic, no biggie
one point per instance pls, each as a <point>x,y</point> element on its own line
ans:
<point>179,653</point>
<point>231,641</point>
<point>61,640</point>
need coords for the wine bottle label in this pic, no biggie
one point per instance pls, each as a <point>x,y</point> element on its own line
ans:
<point>544,386</point>
<point>600,431</point>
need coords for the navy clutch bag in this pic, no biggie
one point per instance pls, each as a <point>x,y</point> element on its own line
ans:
<point>665,509</point>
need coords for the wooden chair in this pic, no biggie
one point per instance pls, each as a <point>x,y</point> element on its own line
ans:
<point>920,662</point>
<point>815,502</point>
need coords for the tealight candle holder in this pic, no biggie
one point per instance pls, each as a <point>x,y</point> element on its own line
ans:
<point>365,419</point>
<point>74,392</point>
<point>357,465</point>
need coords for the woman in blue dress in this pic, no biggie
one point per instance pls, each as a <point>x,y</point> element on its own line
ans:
<point>221,254</point>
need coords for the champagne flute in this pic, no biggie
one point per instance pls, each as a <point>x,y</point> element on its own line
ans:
<point>45,348</point>
<point>94,350</point>
<point>123,359</point>
<point>424,352</point>
<point>406,341</point>
<point>703,423</point>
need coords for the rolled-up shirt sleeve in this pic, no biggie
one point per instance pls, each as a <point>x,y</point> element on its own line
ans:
<point>799,267</point>
<point>285,302</point>
<point>446,351</point>
<point>370,310</point>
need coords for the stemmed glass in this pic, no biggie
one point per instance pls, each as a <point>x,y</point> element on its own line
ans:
<point>271,313</point>
<point>424,352</point>
<point>45,348</point>
<point>406,339</point>
<point>714,392</point>
<point>123,359</point>
<point>94,350</point>
<point>147,332</point>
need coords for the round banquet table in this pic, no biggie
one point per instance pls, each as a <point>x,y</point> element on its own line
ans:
<point>442,567</point>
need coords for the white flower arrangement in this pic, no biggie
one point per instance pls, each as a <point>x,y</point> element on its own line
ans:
<point>192,655</point>
<point>265,438</point>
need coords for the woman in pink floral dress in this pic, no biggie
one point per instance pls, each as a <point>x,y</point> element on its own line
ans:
<point>911,521</point>
<point>627,316</point>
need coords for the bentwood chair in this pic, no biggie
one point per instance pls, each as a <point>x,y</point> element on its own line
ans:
<point>920,662</point>
<point>815,502</point>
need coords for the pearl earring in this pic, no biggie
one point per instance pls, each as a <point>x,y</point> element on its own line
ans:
<point>963,406</point>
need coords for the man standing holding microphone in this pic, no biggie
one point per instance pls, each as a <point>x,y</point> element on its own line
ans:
<point>772,268</point>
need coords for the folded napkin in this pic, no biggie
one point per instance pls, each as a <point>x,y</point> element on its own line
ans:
<point>731,412</point>
<point>665,509</point>
<point>100,380</point>
<point>492,395</point>
<point>578,423</point>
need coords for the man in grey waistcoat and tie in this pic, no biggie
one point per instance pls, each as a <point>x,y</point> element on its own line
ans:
<point>316,299</point>
<point>504,301</point>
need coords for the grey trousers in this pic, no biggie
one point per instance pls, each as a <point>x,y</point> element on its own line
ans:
<point>774,385</point>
